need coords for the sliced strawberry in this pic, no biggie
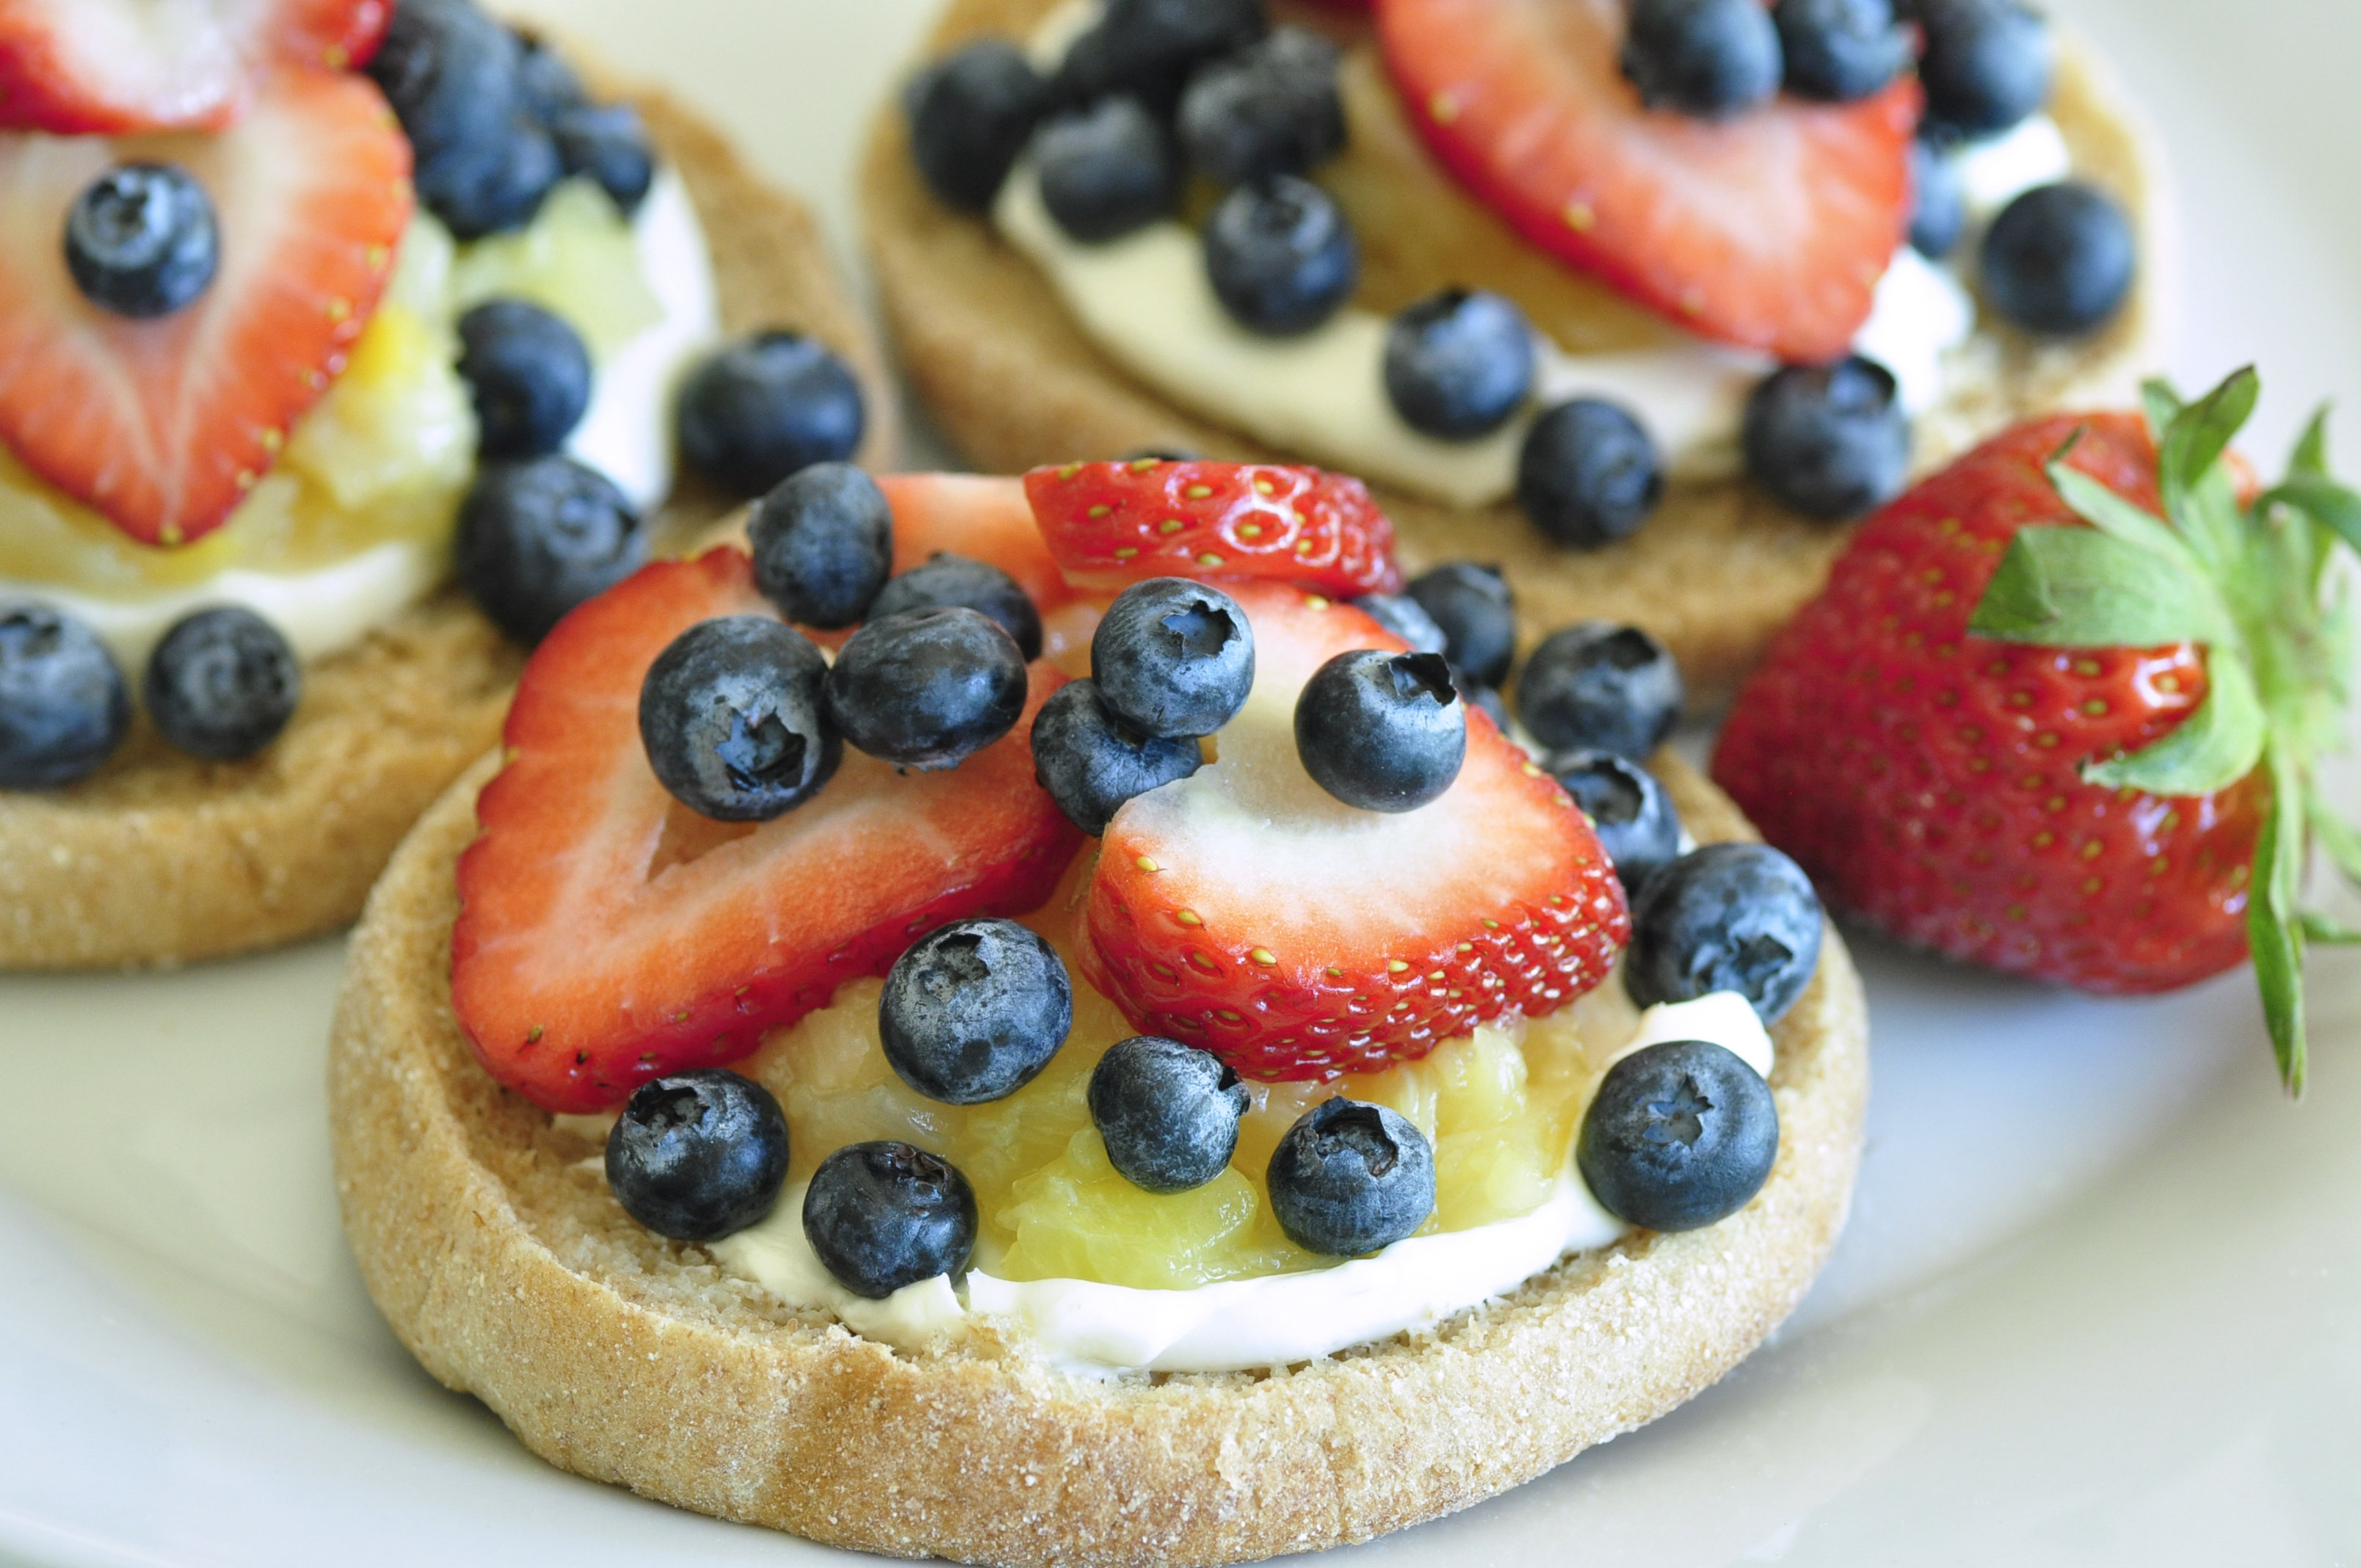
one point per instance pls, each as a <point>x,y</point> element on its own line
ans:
<point>1248,911</point>
<point>1770,230</point>
<point>606,936</point>
<point>983,519</point>
<point>108,67</point>
<point>164,425</point>
<point>1112,524</point>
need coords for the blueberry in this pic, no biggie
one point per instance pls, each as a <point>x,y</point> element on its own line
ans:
<point>1173,658</point>
<point>766,408</point>
<point>1938,197</point>
<point>927,688</point>
<point>2059,259</point>
<point>455,79</point>
<point>949,579</point>
<point>1147,49</point>
<point>1471,604</point>
<point>1603,687</point>
<point>823,545</point>
<point>537,539</point>
<point>1458,364</point>
<point>886,1216</point>
<point>1091,763</point>
<point>698,1155</point>
<point>971,113</point>
<point>1711,59</point>
<point>608,142</point>
<point>547,87</point>
<point>1831,441</point>
<point>734,720</point>
<point>1840,50</point>
<point>1167,1114</point>
<point>1107,170</point>
<point>1986,65</point>
<point>1589,475</point>
<point>529,375</point>
<point>1271,109</point>
<point>1406,618</point>
<point>496,186</point>
<point>141,240</point>
<point>1679,1136</point>
<point>1163,455</point>
<point>1739,917</point>
<point>1280,256</point>
<point>1349,1178</point>
<point>1382,731</point>
<point>1484,699</point>
<point>65,707</point>
<point>972,1013</point>
<point>222,684</point>
<point>1629,811</point>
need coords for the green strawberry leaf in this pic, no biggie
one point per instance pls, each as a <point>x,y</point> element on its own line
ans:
<point>2311,455</point>
<point>2110,513</point>
<point>2323,501</point>
<point>2198,495</point>
<point>2081,587</point>
<point>2163,404</point>
<point>2275,929</point>
<point>2212,749</point>
<point>2339,838</point>
<point>2330,933</point>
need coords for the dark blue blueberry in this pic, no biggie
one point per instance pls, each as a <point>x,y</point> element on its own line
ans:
<point>972,1013</point>
<point>65,707</point>
<point>823,545</point>
<point>546,85</point>
<point>529,375</point>
<point>1271,109</point>
<point>698,1155</point>
<point>1173,658</point>
<point>734,720</point>
<point>141,241</point>
<point>1603,687</point>
<point>949,579</point>
<point>928,688</point>
<point>971,113</point>
<point>1280,256</point>
<point>1167,1114</point>
<point>1711,59</point>
<point>608,142</point>
<point>1679,1136</point>
<point>1486,700</point>
<point>537,539</point>
<point>1169,454</point>
<point>1382,731</point>
<point>1986,65</point>
<point>1406,618</point>
<point>1629,811</point>
<point>1589,475</point>
<point>1107,170</point>
<point>496,186</point>
<point>1472,606</point>
<point>455,79</point>
<point>1349,1178</point>
<point>2059,259</point>
<point>767,407</point>
<point>222,684</point>
<point>1739,917</point>
<point>1459,364</point>
<point>1091,763</point>
<point>1147,49</point>
<point>1830,440</point>
<point>1840,50</point>
<point>883,1216</point>
<point>1938,197</point>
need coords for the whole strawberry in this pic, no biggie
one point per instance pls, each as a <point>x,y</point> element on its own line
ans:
<point>2034,725</point>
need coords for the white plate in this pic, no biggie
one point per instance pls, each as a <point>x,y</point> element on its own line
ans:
<point>2100,1301</point>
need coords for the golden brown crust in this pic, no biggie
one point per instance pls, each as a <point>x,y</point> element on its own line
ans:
<point>490,1242</point>
<point>993,356</point>
<point>160,858</point>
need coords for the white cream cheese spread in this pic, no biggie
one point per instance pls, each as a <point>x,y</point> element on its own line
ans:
<point>1273,1320</point>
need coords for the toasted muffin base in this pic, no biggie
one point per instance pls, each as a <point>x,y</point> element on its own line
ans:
<point>161,858</point>
<point>996,360</point>
<point>490,1241</point>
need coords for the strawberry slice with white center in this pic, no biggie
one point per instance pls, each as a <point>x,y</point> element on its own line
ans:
<point>108,67</point>
<point>1770,230</point>
<point>1247,911</point>
<point>608,935</point>
<point>164,425</point>
<point>1112,524</point>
